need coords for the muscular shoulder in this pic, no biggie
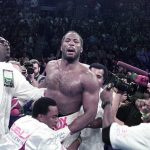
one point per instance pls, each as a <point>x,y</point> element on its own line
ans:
<point>52,62</point>
<point>88,79</point>
<point>85,65</point>
<point>52,65</point>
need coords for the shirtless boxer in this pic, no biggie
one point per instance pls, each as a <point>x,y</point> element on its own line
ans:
<point>71,84</point>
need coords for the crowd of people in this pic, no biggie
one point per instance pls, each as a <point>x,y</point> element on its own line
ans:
<point>64,91</point>
<point>123,31</point>
<point>78,94</point>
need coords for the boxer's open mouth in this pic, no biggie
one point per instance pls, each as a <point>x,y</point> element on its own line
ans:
<point>71,51</point>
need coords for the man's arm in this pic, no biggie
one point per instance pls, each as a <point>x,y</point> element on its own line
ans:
<point>90,98</point>
<point>108,117</point>
<point>97,123</point>
<point>23,89</point>
<point>117,98</point>
<point>32,81</point>
<point>122,136</point>
<point>42,84</point>
<point>111,101</point>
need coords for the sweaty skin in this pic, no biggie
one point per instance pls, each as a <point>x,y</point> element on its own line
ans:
<point>72,88</point>
<point>72,84</point>
<point>68,87</point>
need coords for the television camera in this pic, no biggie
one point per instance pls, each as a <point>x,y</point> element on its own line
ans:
<point>131,82</point>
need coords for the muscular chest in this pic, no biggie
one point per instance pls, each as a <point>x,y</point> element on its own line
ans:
<point>67,83</point>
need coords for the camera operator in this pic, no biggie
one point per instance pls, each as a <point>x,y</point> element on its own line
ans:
<point>36,66</point>
<point>29,73</point>
<point>132,89</point>
<point>121,136</point>
<point>127,112</point>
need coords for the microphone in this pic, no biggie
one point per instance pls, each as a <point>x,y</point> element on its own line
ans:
<point>132,68</point>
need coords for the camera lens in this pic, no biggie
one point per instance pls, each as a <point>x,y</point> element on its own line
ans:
<point>30,70</point>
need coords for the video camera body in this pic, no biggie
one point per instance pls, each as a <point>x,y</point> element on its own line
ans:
<point>130,83</point>
<point>29,66</point>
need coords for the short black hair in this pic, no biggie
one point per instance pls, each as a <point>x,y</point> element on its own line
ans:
<point>41,106</point>
<point>100,66</point>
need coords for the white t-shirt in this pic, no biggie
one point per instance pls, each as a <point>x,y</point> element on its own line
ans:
<point>130,138</point>
<point>33,135</point>
<point>13,84</point>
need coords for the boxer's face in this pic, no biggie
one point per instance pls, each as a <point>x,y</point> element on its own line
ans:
<point>71,46</point>
<point>51,118</point>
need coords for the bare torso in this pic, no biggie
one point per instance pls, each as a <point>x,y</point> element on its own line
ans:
<point>65,86</point>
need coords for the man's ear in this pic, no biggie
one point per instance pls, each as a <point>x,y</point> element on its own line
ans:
<point>81,50</point>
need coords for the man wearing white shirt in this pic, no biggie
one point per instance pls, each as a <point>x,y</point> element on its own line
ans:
<point>121,136</point>
<point>12,84</point>
<point>36,132</point>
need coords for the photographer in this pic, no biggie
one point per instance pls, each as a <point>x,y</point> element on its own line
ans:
<point>132,89</point>
<point>29,74</point>
<point>36,67</point>
<point>121,136</point>
<point>128,111</point>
